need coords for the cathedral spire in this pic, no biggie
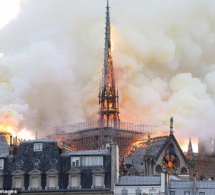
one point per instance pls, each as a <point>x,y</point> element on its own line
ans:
<point>190,158</point>
<point>108,95</point>
<point>189,155</point>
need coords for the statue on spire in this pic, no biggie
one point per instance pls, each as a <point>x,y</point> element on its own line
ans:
<point>171,125</point>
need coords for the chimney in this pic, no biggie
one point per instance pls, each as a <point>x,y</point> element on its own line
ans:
<point>64,150</point>
<point>114,164</point>
<point>11,147</point>
<point>11,140</point>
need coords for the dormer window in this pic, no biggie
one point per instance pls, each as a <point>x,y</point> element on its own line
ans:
<point>38,146</point>
<point>1,164</point>
<point>74,179</point>
<point>18,180</point>
<point>98,178</point>
<point>35,180</point>
<point>52,179</point>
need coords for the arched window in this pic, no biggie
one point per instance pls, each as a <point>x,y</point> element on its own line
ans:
<point>170,160</point>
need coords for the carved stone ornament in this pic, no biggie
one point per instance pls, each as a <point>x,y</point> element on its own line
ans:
<point>53,162</point>
<point>36,163</point>
<point>19,164</point>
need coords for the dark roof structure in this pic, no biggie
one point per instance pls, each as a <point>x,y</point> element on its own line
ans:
<point>146,153</point>
<point>27,159</point>
<point>204,166</point>
<point>4,149</point>
<point>43,157</point>
<point>138,152</point>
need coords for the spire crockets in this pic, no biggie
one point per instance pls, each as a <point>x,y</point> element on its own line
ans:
<point>189,155</point>
<point>108,95</point>
<point>190,158</point>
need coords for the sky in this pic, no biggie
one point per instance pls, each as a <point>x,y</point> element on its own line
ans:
<point>163,54</point>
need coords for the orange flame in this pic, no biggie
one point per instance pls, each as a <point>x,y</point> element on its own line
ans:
<point>8,130</point>
<point>24,134</point>
<point>184,144</point>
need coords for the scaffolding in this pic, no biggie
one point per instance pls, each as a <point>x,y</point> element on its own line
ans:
<point>96,134</point>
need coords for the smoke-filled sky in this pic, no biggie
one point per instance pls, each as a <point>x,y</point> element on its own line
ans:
<point>163,53</point>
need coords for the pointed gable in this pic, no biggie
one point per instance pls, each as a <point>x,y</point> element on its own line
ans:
<point>171,159</point>
<point>170,139</point>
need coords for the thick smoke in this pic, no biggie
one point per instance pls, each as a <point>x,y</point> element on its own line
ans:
<point>163,54</point>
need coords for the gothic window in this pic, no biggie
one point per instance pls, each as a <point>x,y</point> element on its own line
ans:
<point>98,178</point>
<point>172,192</point>
<point>52,179</point>
<point>171,148</point>
<point>170,160</point>
<point>38,146</point>
<point>158,169</point>
<point>35,180</point>
<point>74,179</point>
<point>1,164</point>
<point>183,170</point>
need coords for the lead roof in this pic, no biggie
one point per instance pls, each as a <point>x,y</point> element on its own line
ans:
<point>139,180</point>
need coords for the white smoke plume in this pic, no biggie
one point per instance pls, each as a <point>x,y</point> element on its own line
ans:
<point>163,54</point>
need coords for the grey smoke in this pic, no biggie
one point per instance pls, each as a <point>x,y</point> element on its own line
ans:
<point>163,57</point>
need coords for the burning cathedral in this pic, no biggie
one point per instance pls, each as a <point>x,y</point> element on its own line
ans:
<point>139,156</point>
<point>108,128</point>
<point>83,158</point>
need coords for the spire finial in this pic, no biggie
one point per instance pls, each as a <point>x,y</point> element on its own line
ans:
<point>107,39</point>
<point>171,125</point>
